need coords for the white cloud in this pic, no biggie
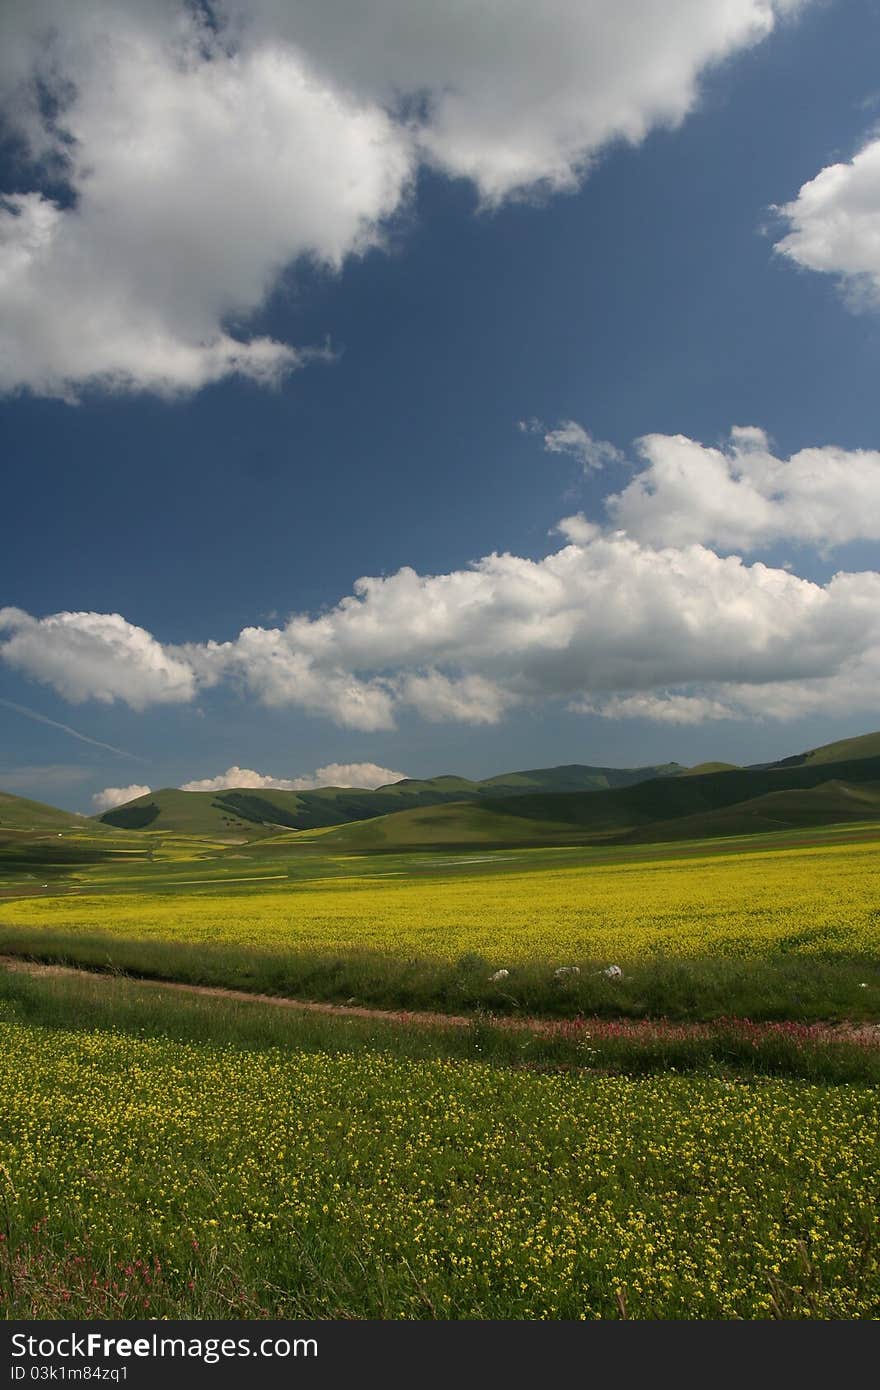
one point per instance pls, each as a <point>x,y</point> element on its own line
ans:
<point>199,175</point>
<point>202,160</point>
<point>742,496</point>
<point>117,796</point>
<point>578,529</point>
<point>368,775</point>
<point>467,700</point>
<point>666,708</point>
<point>95,656</point>
<point>520,95</point>
<point>279,671</point>
<point>360,775</point>
<point>835,225</point>
<point>569,437</point>
<point>611,617</point>
<point>645,621</point>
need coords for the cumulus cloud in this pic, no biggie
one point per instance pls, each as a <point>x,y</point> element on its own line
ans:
<point>205,150</point>
<point>94,656</point>
<point>199,175</point>
<point>578,529</point>
<point>643,620</point>
<point>613,617</point>
<point>117,796</point>
<point>742,496</point>
<point>834,225</point>
<point>521,96</point>
<point>368,775</point>
<point>467,700</point>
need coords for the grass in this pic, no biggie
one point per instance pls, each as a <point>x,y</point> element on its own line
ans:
<point>790,934</point>
<point>814,898</point>
<point>168,1155</point>
<point>862,746</point>
<point>795,988</point>
<point>145,1175</point>
<point>86,1003</point>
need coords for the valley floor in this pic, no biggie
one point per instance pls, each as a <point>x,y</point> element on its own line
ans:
<point>445,1106</point>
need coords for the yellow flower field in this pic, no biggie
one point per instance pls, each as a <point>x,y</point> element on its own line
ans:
<point>141,1175</point>
<point>810,900</point>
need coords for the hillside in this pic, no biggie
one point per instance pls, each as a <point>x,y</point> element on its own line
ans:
<point>36,836</point>
<point>248,812</point>
<point>670,798</point>
<point>735,802</point>
<point>830,803</point>
<point>462,825</point>
<point>844,750</point>
<point>18,813</point>
<point>702,768</point>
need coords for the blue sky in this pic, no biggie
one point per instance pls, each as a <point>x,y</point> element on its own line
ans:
<point>640,296</point>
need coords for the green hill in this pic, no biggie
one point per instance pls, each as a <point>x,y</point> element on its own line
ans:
<point>829,803</point>
<point>461,825</point>
<point>845,750</point>
<point>254,812</point>
<point>17,813</point>
<point>669,798</point>
<point>36,837</point>
<point>187,813</point>
<point>702,768</point>
<point>734,802</point>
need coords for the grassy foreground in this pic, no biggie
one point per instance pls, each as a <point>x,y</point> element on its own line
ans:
<point>730,1046</point>
<point>805,988</point>
<point>309,1168</point>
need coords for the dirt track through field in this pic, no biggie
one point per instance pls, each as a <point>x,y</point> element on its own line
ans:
<point>864,1034</point>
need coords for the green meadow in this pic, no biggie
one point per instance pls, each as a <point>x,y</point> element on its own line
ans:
<point>466,1059</point>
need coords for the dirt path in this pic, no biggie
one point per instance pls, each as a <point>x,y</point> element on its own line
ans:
<point>864,1034</point>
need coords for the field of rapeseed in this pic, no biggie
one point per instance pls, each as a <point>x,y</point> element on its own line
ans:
<point>142,1176</point>
<point>817,900</point>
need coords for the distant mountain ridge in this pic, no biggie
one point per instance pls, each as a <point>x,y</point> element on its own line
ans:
<point>740,801</point>
<point>572,803</point>
<point>243,809</point>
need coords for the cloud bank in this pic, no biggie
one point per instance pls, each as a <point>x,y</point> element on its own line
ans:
<point>644,617</point>
<point>368,775</point>
<point>641,619</point>
<point>203,150</point>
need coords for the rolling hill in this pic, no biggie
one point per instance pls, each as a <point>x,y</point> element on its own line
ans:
<point>18,813</point>
<point>844,750</point>
<point>34,835</point>
<point>569,804</point>
<point>246,812</point>
<point>735,802</point>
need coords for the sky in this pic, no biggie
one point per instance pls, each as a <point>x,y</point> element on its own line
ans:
<point>390,389</point>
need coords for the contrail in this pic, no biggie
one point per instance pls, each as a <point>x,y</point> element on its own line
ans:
<point>74,733</point>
